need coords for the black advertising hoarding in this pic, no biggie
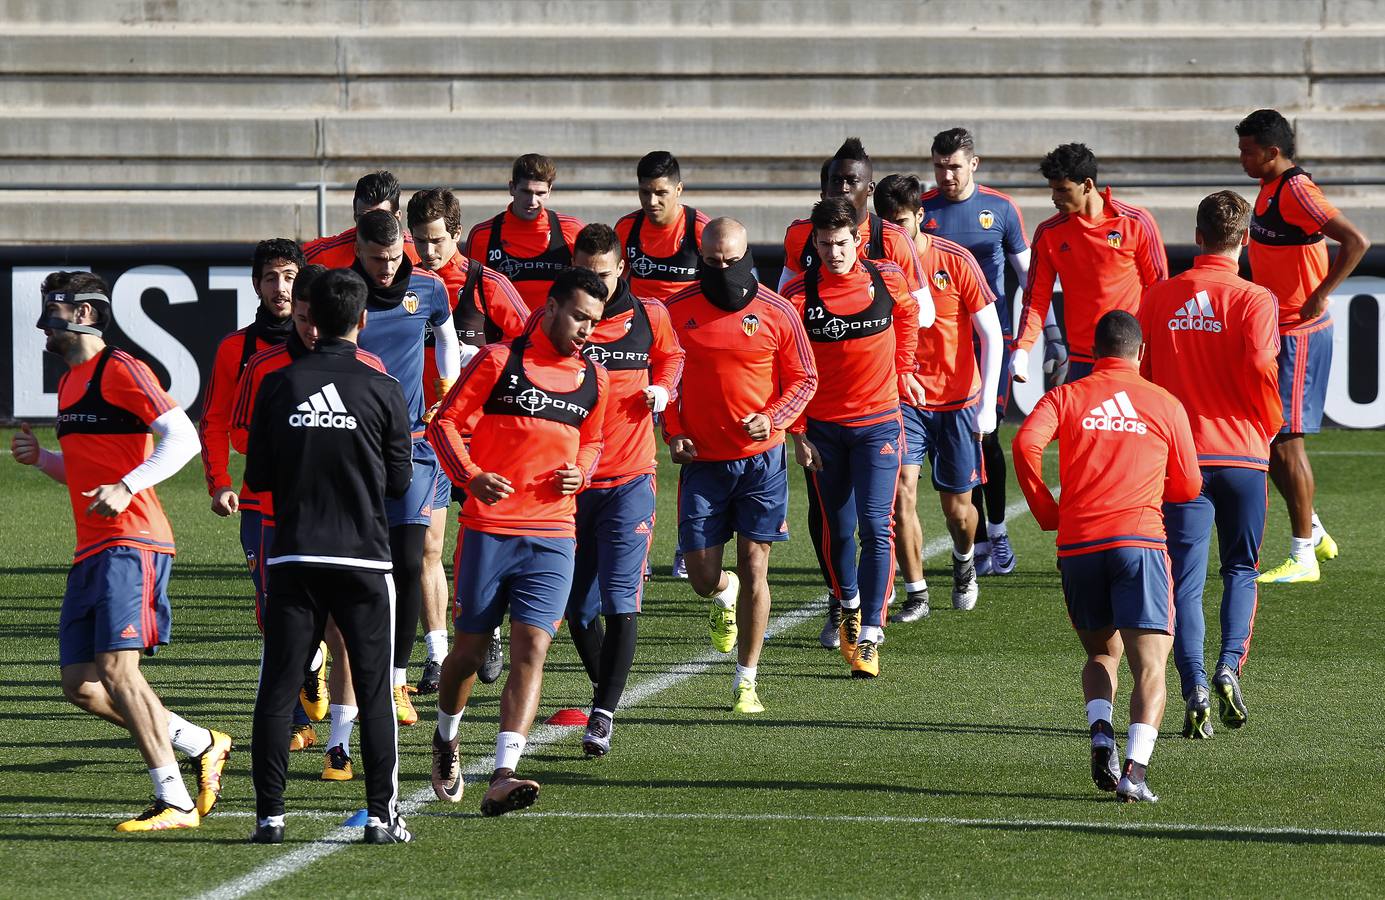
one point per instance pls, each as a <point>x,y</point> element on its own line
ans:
<point>173,303</point>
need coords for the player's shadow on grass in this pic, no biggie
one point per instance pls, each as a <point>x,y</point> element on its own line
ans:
<point>1188,834</point>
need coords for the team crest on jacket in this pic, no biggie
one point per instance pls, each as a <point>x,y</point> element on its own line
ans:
<point>410,302</point>
<point>941,279</point>
<point>750,324</point>
<point>986,218</point>
<point>1114,239</point>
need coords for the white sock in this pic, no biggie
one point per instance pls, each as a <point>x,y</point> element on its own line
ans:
<point>604,712</point>
<point>436,642</point>
<point>401,676</point>
<point>509,746</point>
<point>1318,530</point>
<point>169,787</point>
<point>913,587</point>
<point>276,821</point>
<point>1099,711</point>
<point>1139,742</point>
<point>996,531</point>
<point>961,556</point>
<point>743,673</point>
<point>1302,549</point>
<point>852,602</point>
<point>318,658</point>
<point>343,717</point>
<point>871,633</point>
<point>448,723</point>
<point>726,597</point>
<point>187,737</point>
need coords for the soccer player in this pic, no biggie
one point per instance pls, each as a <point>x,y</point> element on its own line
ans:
<point>274,267</point>
<point>615,516</point>
<point>527,242</point>
<point>1105,252</point>
<point>862,322</point>
<point>663,238</point>
<point>116,606</point>
<point>956,407</point>
<point>989,225</point>
<point>329,439</point>
<point>404,301</point>
<point>485,308</point>
<point>515,549</point>
<point>377,190</point>
<point>1213,340</point>
<point>748,375</point>
<point>1289,256</point>
<point>1125,448</point>
<point>850,175</point>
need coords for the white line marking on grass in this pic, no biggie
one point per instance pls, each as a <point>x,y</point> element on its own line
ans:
<point>541,736</point>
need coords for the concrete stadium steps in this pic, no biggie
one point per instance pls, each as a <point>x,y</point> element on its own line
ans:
<point>52,217</point>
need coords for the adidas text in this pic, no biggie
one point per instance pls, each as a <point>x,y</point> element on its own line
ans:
<point>1196,315</point>
<point>322,420</point>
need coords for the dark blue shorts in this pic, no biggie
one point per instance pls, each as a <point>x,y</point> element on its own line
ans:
<point>1305,362</point>
<point>416,506</point>
<point>442,491</point>
<point>948,440</point>
<point>749,497</point>
<point>256,539</point>
<point>1123,587</point>
<point>531,577</point>
<point>116,600</point>
<point>1078,369</point>
<point>614,528</point>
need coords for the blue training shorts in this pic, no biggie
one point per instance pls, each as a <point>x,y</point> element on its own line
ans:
<point>1121,587</point>
<point>749,497</point>
<point>531,577</point>
<point>614,528</point>
<point>948,440</point>
<point>1305,362</point>
<point>416,506</point>
<point>116,599</point>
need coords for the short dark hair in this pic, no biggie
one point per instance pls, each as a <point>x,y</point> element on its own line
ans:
<point>1117,334</point>
<point>378,227</point>
<point>896,192</point>
<point>833,213</point>
<point>1222,218</point>
<point>82,283</point>
<point>303,284</point>
<point>272,249</point>
<point>596,239</point>
<point>1269,129</point>
<point>946,143</point>
<point>822,176</point>
<point>1069,162</point>
<point>571,280</point>
<point>336,300</point>
<point>436,203</point>
<point>658,164</point>
<point>376,188</point>
<point>851,150</point>
<point>534,167</point>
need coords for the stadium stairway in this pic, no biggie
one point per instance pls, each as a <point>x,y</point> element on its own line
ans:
<point>222,100</point>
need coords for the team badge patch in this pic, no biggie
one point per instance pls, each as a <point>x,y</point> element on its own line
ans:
<point>942,280</point>
<point>870,290</point>
<point>750,324</point>
<point>1114,239</point>
<point>581,375</point>
<point>986,218</point>
<point>930,225</point>
<point>410,303</point>
<point>628,322</point>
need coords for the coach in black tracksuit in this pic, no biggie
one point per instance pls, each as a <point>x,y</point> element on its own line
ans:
<point>329,437</point>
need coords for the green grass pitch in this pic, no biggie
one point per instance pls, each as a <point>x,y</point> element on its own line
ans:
<point>961,771</point>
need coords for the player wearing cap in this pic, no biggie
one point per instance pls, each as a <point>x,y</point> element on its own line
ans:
<point>1289,256</point>
<point>749,374</point>
<point>375,190</point>
<point>862,322</point>
<point>527,242</point>
<point>116,605</point>
<point>1125,448</point>
<point>1106,253</point>
<point>1212,342</point>
<point>516,545</point>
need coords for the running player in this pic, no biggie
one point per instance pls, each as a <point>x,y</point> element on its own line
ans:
<point>485,308</point>
<point>862,321</point>
<point>663,238</point>
<point>515,549</point>
<point>615,516</point>
<point>989,225</point>
<point>1124,448</point>
<point>748,375</point>
<point>957,407</point>
<point>527,242</point>
<point>1212,340</point>
<point>404,301</point>
<point>116,606</point>
<point>1105,252</point>
<point>1289,256</point>
<point>377,190</point>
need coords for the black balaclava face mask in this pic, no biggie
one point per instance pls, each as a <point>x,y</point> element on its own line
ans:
<point>730,289</point>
